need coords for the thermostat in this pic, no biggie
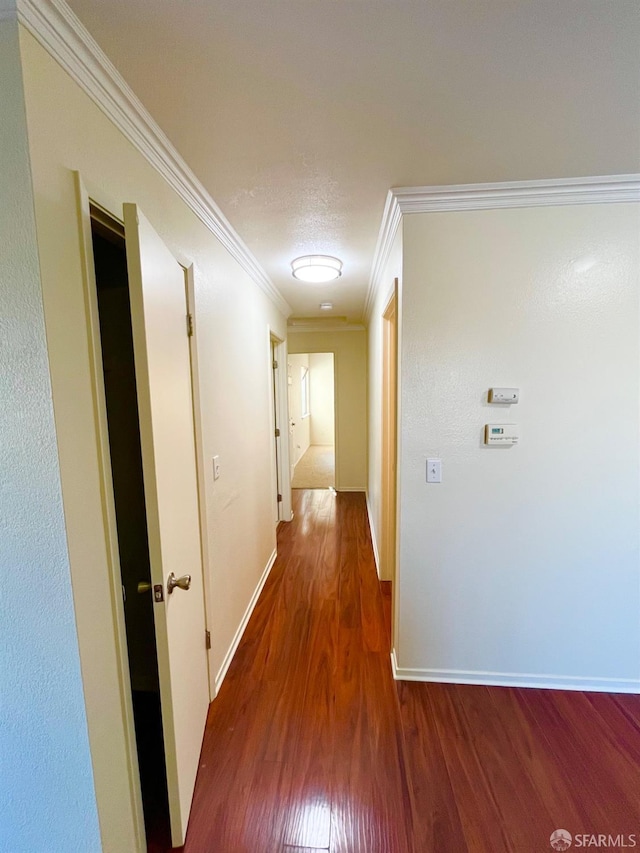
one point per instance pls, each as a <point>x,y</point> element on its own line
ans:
<point>504,395</point>
<point>504,434</point>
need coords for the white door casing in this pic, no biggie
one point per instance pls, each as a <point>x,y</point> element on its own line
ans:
<point>161,352</point>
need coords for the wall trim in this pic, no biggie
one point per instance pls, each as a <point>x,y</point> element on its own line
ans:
<point>391,218</point>
<point>514,679</point>
<point>303,328</point>
<point>376,554</point>
<point>60,32</point>
<point>604,189</point>
<point>352,489</point>
<point>243,624</point>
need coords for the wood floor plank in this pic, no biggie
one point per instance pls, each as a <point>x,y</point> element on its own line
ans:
<point>603,783</point>
<point>475,799</point>
<point>308,767</point>
<point>368,755</point>
<point>526,745</point>
<point>436,823</point>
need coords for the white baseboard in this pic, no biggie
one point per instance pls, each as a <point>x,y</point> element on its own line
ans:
<point>373,537</point>
<point>243,624</point>
<point>351,489</point>
<point>512,679</point>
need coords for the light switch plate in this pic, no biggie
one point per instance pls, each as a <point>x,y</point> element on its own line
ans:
<point>434,470</point>
<point>216,467</point>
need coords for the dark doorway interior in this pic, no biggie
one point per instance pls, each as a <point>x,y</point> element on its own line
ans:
<point>128,486</point>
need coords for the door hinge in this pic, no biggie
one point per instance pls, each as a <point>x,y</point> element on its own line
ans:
<point>275,365</point>
<point>189,325</point>
<point>207,639</point>
<point>277,433</point>
<point>279,498</point>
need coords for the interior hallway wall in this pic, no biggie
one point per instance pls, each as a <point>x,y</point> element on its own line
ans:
<point>67,131</point>
<point>322,394</point>
<point>349,349</point>
<point>47,796</point>
<point>523,565</point>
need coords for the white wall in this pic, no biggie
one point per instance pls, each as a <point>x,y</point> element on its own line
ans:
<point>392,270</point>
<point>322,393</point>
<point>523,565</point>
<point>47,797</point>
<point>233,317</point>
<point>349,350</point>
<point>301,425</point>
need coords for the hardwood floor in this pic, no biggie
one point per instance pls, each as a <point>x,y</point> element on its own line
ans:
<point>311,745</point>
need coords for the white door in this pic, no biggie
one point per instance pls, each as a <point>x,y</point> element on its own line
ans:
<point>161,351</point>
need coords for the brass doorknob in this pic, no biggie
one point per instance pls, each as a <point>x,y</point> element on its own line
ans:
<point>143,586</point>
<point>182,583</point>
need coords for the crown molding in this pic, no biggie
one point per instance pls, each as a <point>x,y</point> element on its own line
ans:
<point>325,327</point>
<point>391,218</point>
<point>547,193</point>
<point>604,189</point>
<point>54,25</point>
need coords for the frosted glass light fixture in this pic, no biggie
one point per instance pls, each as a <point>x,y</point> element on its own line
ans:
<point>316,268</point>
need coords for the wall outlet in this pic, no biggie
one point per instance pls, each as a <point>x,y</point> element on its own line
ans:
<point>216,467</point>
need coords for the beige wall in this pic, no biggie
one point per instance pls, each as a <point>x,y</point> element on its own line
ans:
<point>300,425</point>
<point>523,565</point>
<point>47,795</point>
<point>233,317</point>
<point>350,364</point>
<point>322,398</point>
<point>384,292</point>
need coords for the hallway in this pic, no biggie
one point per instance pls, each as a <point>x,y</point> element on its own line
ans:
<point>302,748</point>
<point>311,746</point>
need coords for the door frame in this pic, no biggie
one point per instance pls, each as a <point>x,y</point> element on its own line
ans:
<point>125,809</point>
<point>201,466</point>
<point>389,491</point>
<point>336,438</point>
<point>279,416</point>
<point>101,759</point>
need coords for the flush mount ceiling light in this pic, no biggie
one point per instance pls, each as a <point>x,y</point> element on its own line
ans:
<point>316,268</point>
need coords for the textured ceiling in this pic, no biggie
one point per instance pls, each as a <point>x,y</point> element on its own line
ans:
<point>299,115</point>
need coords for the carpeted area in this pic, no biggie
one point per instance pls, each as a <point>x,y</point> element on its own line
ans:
<point>316,468</point>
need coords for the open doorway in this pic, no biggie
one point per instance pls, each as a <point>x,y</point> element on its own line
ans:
<point>312,412</point>
<point>118,366</point>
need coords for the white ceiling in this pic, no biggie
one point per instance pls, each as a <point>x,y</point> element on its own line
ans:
<point>299,115</point>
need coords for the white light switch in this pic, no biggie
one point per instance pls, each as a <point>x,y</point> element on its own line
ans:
<point>216,467</point>
<point>434,470</point>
